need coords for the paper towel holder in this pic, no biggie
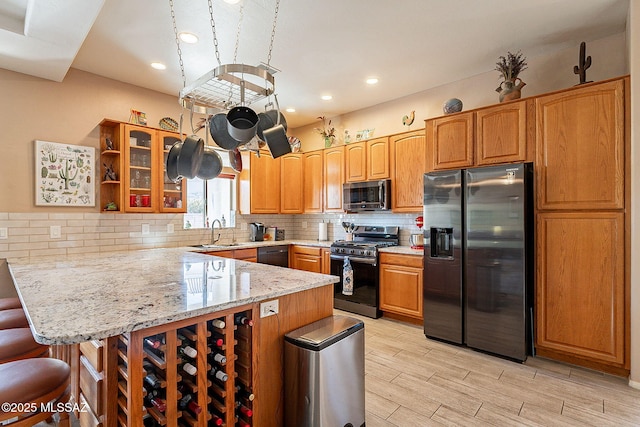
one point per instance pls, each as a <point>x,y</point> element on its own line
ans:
<point>322,231</point>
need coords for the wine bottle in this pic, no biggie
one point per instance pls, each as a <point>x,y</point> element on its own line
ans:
<point>217,323</point>
<point>220,358</point>
<point>216,420</point>
<point>244,393</point>
<point>153,342</point>
<point>241,319</point>
<point>217,341</point>
<point>189,368</point>
<point>242,423</point>
<point>243,409</point>
<point>188,401</point>
<point>153,399</point>
<point>187,350</point>
<point>219,374</point>
<point>152,380</point>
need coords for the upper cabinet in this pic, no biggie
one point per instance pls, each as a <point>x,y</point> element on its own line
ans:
<point>450,141</point>
<point>501,133</point>
<point>313,173</point>
<point>136,155</point>
<point>580,148</point>
<point>333,176</point>
<point>407,170</point>
<point>367,160</point>
<point>259,190</point>
<point>292,183</point>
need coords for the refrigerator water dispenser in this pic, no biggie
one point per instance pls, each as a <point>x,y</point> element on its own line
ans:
<point>442,242</point>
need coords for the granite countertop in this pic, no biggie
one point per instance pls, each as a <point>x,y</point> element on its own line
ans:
<point>404,250</point>
<point>84,297</point>
<point>246,245</point>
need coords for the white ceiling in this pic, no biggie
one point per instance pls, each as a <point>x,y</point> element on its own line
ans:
<point>327,46</point>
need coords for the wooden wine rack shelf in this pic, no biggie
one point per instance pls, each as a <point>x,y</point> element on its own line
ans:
<point>154,390</point>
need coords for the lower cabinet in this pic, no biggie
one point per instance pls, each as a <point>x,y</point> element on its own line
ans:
<point>307,258</point>
<point>247,254</point>
<point>580,301</point>
<point>401,285</point>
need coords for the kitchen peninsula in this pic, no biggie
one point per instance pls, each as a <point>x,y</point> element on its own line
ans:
<point>125,319</point>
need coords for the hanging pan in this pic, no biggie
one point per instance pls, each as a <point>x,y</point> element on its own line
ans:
<point>190,156</point>
<point>219,132</point>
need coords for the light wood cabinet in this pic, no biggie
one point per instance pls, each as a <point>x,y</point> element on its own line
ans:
<point>367,160</point>
<point>245,254</point>
<point>378,158</point>
<point>407,170</point>
<point>259,184</point>
<point>581,291</point>
<point>307,258</point>
<point>137,154</point>
<point>356,161</point>
<point>292,184</point>
<point>580,146</point>
<point>326,260</point>
<point>313,173</point>
<point>90,378</point>
<point>502,133</point>
<point>401,285</point>
<point>333,178</point>
<point>582,228</point>
<point>450,141</point>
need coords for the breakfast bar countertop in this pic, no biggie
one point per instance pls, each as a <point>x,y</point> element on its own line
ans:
<point>84,297</point>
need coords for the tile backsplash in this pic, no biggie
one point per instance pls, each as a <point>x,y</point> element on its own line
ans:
<point>28,234</point>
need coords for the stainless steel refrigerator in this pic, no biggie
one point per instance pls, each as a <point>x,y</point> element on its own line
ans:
<point>478,258</point>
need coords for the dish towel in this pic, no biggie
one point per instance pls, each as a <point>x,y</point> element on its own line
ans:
<point>347,277</point>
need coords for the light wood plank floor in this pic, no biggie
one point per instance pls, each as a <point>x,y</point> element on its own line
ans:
<point>413,381</point>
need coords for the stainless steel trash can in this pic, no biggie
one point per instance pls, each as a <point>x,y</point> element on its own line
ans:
<point>324,374</point>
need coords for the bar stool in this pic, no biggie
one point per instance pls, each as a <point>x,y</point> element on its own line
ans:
<point>32,383</point>
<point>18,343</point>
<point>9,303</point>
<point>13,318</point>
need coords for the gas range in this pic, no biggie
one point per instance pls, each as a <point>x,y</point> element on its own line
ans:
<point>366,241</point>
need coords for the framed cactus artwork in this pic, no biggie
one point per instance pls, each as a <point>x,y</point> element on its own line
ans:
<point>64,174</point>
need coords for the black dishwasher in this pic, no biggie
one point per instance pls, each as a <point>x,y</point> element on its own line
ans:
<point>274,255</point>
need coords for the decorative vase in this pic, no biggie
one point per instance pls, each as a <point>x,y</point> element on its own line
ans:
<point>328,141</point>
<point>510,89</point>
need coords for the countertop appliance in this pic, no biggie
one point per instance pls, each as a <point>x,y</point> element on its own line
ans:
<point>257,232</point>
<point>274,255</point>
<point>366,196</point>
<point>362,252</point>
<point>478,258</point>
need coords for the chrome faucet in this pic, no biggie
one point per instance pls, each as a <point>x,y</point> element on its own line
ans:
<point>214,240</point>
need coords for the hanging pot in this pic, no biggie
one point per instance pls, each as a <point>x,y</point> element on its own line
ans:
<point>211,165</point>
<point>242,123</point>
<point>219,132</point>
<point>190,156</point>
<point>269,119</point>
<point>235,158</point>
<point>277,141</point>
<point>172,162</point>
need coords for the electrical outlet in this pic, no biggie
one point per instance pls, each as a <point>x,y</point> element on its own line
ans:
<point>4,234</point>
<point>55,232</point>
<point>170,229</point>
<point>269,308</point>
<point>145,229</point>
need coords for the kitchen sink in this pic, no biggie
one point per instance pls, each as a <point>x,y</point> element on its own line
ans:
<point>216,246</point>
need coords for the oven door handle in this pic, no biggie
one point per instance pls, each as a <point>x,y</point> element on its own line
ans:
<point>355,259</point>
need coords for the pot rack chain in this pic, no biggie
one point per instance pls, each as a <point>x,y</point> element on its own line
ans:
<point>273,32</point>
<point>213,30</point>
<point>235,51</point>
<point>175,32</point>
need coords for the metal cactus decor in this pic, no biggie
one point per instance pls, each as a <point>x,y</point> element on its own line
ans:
<point>583,64</point>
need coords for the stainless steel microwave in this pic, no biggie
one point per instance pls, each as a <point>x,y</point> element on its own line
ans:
<point>366,196</point>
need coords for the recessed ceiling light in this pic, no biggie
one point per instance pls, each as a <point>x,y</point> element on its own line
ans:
<point>290,110</point>
<point>232,1</point>
<point>326,97</point>
<point>188,37</point>
<point>158,66</point>
<point>372,80</point>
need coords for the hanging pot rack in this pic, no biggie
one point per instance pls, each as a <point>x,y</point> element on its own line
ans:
<point>228,86</point>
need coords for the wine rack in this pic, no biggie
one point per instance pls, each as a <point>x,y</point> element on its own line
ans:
<point>187,374</point>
